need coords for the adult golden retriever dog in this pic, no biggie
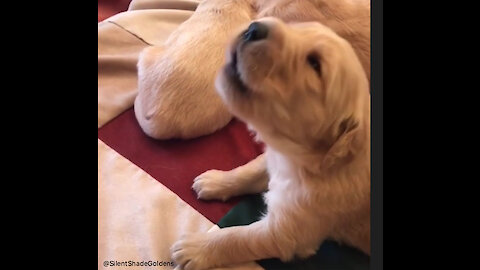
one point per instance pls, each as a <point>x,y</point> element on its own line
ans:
<point>176,94</point>
<point>303,90</point>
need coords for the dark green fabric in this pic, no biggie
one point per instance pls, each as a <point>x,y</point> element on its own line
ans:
<point>330,255</point>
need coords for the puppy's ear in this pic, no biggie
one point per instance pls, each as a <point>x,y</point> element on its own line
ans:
<point>344,145</point>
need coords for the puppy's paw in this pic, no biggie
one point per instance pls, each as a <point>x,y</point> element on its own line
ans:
<point>213,184</point>
<point>191,252</point>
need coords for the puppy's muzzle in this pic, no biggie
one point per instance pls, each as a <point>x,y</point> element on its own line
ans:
<point>256,31</point>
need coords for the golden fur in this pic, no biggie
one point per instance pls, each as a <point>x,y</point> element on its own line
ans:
<point>176,93</point>
<point>315,122</point>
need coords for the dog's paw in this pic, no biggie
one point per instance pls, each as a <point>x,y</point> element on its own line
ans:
<point>212,184</point>
<point>191,252</point>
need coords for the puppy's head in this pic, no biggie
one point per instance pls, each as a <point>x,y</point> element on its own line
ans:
<point>299,86</point>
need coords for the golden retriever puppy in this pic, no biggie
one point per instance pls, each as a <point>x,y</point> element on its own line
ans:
<point>176,93</point>
<point>303,90</point>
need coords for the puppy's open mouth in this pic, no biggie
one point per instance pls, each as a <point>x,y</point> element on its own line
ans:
<point>233,74</point>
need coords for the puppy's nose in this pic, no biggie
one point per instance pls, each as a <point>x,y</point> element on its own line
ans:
<point>256,31</point>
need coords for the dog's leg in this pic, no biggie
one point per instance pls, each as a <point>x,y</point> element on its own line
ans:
<point>267,238</point>
<point>247,179</point>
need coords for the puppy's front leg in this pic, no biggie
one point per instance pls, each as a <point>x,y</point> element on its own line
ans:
<point>227,246</point>
<point>247,179</point>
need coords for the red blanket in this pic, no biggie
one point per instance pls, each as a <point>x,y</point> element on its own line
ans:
<point>107,8</point>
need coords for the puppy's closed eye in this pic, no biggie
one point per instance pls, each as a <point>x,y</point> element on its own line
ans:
<point>314,61</point>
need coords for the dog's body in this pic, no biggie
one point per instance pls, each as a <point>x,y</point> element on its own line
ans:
<point>176,95</point>
<point>303,90</point>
